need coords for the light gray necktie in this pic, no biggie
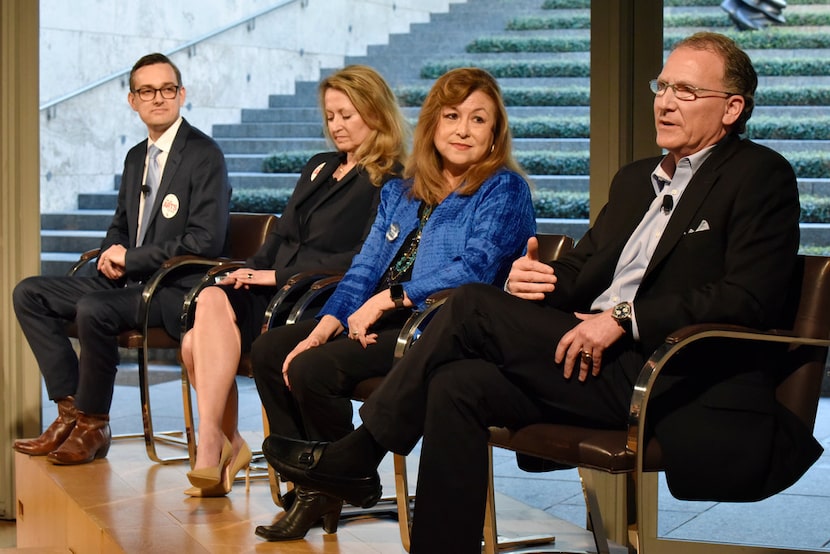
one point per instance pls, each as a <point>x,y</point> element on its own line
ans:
<point>151,186</point>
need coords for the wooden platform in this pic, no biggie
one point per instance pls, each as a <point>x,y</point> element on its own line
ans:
<point>126,503</point>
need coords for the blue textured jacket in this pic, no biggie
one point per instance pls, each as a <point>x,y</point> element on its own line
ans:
<point>467,239</point>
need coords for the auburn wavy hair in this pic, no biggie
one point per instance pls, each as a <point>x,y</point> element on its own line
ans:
<point>425,164</point>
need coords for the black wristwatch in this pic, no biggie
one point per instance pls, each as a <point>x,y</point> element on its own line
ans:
<point>622,315</point>
<point>396,292</point>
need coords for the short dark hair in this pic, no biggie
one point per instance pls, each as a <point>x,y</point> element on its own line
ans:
<point>739,75</point>
<point>152,59</point>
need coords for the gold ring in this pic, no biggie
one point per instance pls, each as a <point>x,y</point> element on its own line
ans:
<point>354,334</point>
<point>586,355</point>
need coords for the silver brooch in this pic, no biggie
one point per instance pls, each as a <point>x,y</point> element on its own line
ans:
<point>393,231</point>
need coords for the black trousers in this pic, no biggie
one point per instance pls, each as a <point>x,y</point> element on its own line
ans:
<point>318,406</point>
<point>485,359</point>
<point>45,305</point>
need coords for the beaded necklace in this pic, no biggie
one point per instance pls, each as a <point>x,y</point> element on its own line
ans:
<point>408,258</point>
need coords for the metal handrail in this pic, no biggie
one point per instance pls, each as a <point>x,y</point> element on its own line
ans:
<point>185,46</point>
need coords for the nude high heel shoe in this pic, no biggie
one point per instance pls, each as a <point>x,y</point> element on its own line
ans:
<point>239,462</point>
<point>207,477</point>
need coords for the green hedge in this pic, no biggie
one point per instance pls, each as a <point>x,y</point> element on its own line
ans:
<point>772,67</point>
<point>547,203</point>
<point>580,96</point>
<point>550,127</point>
<point>585,4</point>
<point>710,20</point>
<point>807,165</point>
<point>791,128</point>
<point>496,44</point>
<point>783,95</point>
<point>513,96</point>
<point>512,68</point>
<point>771,38</point>
<point>759,127</point>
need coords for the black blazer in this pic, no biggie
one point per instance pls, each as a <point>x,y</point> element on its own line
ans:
<point>190,212</point>
<point>727,255</point>
<point>334,228</point>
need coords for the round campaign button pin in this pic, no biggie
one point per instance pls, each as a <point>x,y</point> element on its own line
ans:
<point>170,206</point>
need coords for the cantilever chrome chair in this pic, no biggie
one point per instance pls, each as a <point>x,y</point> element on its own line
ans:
<point>636,458</point>
<point>247,232</point>
<point>551,247</point>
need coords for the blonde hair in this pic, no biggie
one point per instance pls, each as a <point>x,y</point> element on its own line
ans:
<point>385,146</point>
<point>425,163</point>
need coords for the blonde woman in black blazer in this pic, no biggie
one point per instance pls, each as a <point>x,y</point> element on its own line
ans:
<point>323,226</point>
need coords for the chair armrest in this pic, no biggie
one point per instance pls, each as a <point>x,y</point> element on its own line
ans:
<point>676,342</point>
<point>83,260</point>
<point>284,300</point>
<point>416,323</point>
<point>209,278</point>
<point>317,293</point>
<point>167,270</point>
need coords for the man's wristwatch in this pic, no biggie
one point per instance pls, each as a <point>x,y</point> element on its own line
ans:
<point>622,315</point>
<point>396,292</point>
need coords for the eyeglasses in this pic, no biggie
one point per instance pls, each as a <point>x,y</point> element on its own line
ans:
<point>168,92</point>
<point>682,92</point>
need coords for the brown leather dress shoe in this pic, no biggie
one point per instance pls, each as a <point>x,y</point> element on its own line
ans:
<point>55,434</point>
<point>90,439</point>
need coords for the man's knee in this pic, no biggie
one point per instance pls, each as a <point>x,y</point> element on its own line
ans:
<point>24,292</point>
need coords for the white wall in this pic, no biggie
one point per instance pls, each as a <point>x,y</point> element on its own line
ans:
<point>84,139</point>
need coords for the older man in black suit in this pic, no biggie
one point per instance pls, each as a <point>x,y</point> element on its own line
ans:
<point>173,200</point>
<point>707,233</point>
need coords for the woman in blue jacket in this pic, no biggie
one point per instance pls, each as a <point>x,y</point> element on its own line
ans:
<point>462,213</point>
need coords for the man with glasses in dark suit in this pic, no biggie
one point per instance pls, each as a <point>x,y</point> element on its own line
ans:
<point>173,200</point>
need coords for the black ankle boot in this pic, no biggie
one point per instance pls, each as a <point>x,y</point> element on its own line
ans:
<point>308,508</point>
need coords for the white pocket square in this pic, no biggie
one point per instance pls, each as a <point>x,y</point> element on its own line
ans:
<point>703,226</point>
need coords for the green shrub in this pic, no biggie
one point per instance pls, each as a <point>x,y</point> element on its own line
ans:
<point>502,69</point>
<point>810,165</point>
<point>260,200</point>
<point>564,205</point>
<point>534,23</point>
<point>803,128</point>
<point>512,68</point>
<point>548,203</point>
<point>783,95</point>
<point>286,162</point>
<point>785,67</point>
<point>770,38</point>
<point>585,4</point>
<point>543,162</point>
<point>550,127</point>
<point>565,4</point>
<point>807,165</point>
<point>528,44</point>
<point>513,96</point>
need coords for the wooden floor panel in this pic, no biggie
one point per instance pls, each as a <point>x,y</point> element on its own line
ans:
<point>126,503</point>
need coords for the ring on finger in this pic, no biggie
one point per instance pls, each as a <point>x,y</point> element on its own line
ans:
<point>586,356</point>
<point>250,276</point>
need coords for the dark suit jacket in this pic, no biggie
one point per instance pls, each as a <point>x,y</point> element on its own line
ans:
<point>734,268</point>
<point>190,212</point>
<point>334,228</point>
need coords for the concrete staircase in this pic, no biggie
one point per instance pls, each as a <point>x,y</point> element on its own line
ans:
<point>292,123</point>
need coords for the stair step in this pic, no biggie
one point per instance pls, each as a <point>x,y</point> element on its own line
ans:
<point>77,219</point>
<point>259,130</point>
<point>253,146</point>
<point>98,200</point>
<point>70,241</point>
